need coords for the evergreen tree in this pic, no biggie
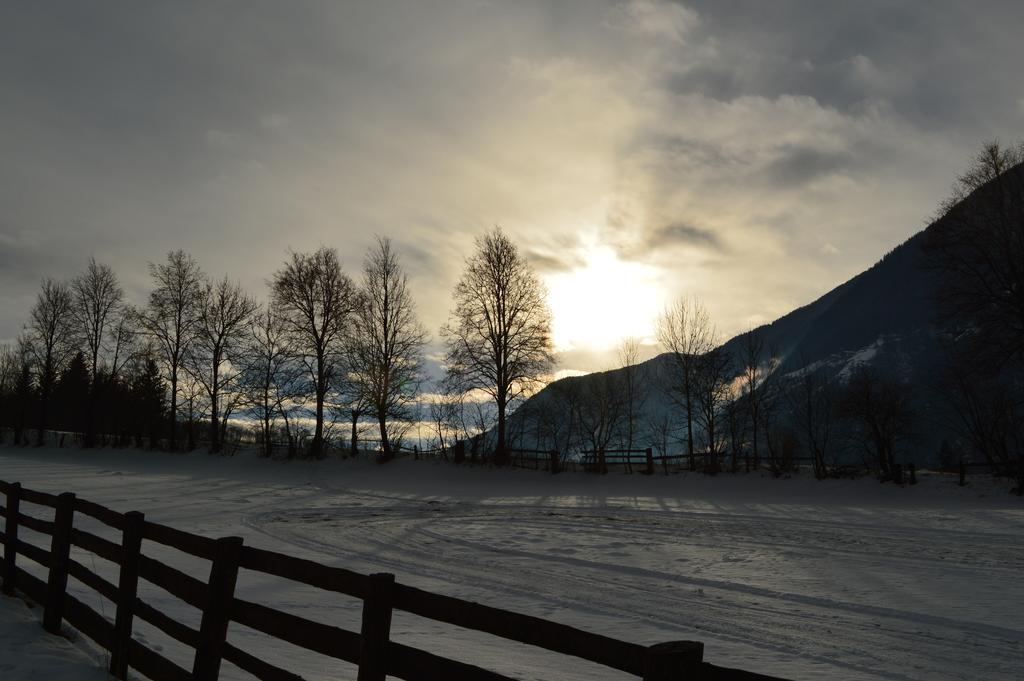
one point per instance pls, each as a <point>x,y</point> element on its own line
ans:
<point>24,395</point>
<point>71,395</point>
<point>148,399</point>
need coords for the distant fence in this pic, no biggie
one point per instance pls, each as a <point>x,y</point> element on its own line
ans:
<point>646,461</point>
<point>1004,469</point>
<point>372,649</point>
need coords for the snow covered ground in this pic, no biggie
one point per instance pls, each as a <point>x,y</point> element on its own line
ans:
<point>837,579</point>
<point>27,652</point>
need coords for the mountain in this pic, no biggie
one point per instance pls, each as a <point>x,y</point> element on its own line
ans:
<point>884,317</point>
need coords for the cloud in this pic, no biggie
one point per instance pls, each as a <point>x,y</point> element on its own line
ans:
<point>797,165</point>
<point>668,20</point>
<point>719,143</point>
<point>666,241</point>
<point>681,233</point>
<point>553,262</point>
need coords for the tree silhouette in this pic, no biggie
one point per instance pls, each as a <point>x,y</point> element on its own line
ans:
<point>316,299</point>
<point>685,331</point>
<point>224,312</point>
<point>97,299</point>
<point>387,344</point>
<point>632,386</point>
<point>879,409</point>
<point>499,332</point>
<point>977,247</point>
<point>171,318</point>
<point>270,372</point>
<point>51,341</point>
<point>72,395</point>
<point>148,402</point>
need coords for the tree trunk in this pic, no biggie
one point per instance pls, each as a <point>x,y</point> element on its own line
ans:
<point>317,446</point>
<point>689,428</point>
<point>173,442</point>
<point>757,456</point>
<point>90,410</point>
<point>215,439</point>
<point>500,453</point>
<point>268,445</point>
<point>384,443</point>
<point>214,427</point>
<point>355,434</point>
<point>44,399</point>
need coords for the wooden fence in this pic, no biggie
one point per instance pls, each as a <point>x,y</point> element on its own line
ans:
<point>645,460</point>
<point>1005,469</point>
<point>536,459</point>
<point>371,649</point>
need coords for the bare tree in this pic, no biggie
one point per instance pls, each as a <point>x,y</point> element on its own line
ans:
<point>444,416</point>
<point>97,299</point>
<point>352,398</point>
<point>316,299</point>
<point>989,416</point>
<point>812,401</point>
<point>171,319</point>
<point>685,331</point>
<point>387,343</point>
<point>977,247</point>
<point>879,409</point>
<point>10,367</point>
<point>633,387</point>
<point>224,312</point>
<point>714,376</point>
<point>754,371</point>
<point>269,371</point>
<point>51,340</point>
<point>663,431</point>
<point>499,333</point>
<point>192,400</point>
<point>737,423</point>
<point>560,417</point>
<point>122,340</point>
<point>21,388</point>
<point>599,413</point>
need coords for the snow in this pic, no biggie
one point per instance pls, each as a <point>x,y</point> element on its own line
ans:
<point>28,652</point>
<point>859,358</point>
<point>846,579</point>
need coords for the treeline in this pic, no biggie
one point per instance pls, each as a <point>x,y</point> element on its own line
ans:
<point>725,411</point>
<point>737,406</point>
<point>324,351</point>
<point>328,355</point>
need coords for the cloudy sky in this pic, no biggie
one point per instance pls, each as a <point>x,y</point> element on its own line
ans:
<point>755,154</point>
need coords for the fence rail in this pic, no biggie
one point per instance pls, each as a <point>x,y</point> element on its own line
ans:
<point>371,649</point>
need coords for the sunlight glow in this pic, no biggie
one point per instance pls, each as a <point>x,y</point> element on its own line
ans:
<point>607,299</point>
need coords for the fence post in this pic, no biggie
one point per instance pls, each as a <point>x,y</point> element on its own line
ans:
<point>650,461</point>
<point>60,552</point>
<point>213,630</point>
<point>11,537</point>
<point>963,473</point>
<point>127,588</point>
<point>554,461</point>
<point>376,630</point>
<point>674,661</point>
<point>912,470</point>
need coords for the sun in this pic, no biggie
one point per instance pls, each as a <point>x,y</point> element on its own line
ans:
<point>603,301</point>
